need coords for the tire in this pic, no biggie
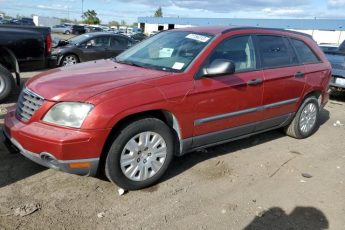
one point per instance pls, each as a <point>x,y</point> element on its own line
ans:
<point>7,83</point>
<point>300,130</point>
<point>142,164</point>
<point>69,59</point>
<point>67,32</point>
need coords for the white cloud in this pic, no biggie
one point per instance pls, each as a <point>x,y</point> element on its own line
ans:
<point>336,3</point>
<point>222,6</point>
<point>53,7</point>
<point>287,12</point>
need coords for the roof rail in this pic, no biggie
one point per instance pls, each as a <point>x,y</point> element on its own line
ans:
<point>263,28</point>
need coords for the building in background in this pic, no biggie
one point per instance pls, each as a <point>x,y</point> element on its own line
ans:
<point>46,21</point>
<point>322,30</point>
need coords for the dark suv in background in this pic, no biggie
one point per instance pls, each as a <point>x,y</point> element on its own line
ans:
<point>76,29</point>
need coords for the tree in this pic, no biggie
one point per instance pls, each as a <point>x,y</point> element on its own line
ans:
<point>113,23</point>
<point>159,12</point>
<point>123,23</point>
<point>135,24</point>
<point>65,20</point>
<point>90,17</point>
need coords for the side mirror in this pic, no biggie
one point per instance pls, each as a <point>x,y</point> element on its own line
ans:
<point>219,67</point>
<point>88,45</point>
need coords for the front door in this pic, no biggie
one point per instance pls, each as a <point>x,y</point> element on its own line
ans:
<point>96,48</point>
<point>228,106</point>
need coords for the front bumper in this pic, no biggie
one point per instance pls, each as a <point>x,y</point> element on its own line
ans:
<point>68,150</point>
<point>49,161</point>
<point>54,60</point>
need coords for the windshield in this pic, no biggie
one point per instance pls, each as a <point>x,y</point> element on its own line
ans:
<point>78,39</point>
<point>168,51</point>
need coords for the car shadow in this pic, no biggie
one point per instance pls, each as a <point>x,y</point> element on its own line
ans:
<point>181,164</point>
<point>15,167</point>
<point>338,96</point>
<point>307,218</point>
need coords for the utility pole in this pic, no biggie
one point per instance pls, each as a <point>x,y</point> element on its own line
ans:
<point>82,8</point>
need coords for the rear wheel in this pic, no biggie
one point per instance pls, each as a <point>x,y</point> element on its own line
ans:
<point>69,59</point>
<point>306,120</point>
<point>140,154</point>
<point>6,83</point>
<point>67,32</point>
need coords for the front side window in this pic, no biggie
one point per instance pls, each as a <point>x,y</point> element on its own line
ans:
<point>239,50</point>
<point>168,51</point>
<point>275,52</point>
<point>99,42</point>
<point>304,52</point>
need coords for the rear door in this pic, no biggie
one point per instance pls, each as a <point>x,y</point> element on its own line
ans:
<point>227,106</point>
<point>284,79</point>
<point>118,45</point>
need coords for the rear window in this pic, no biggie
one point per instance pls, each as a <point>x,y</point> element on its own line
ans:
<point>275,51</point>
<point>306,55</point>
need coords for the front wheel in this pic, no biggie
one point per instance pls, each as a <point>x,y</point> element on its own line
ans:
<point>140,154</point>
<point>306,120</point>
<point>69,59</point>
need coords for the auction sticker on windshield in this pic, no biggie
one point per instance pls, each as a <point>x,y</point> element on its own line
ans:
<point>198,37</point>
<point>165,52</point>
<point>178,65</point>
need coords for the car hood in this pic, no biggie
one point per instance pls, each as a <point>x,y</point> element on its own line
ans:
<point>83,81</point>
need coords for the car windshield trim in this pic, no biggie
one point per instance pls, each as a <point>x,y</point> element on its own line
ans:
<point>170,51</point>
<point>78,39</point>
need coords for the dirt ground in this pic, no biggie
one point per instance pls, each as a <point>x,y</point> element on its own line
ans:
<point>255,183</point>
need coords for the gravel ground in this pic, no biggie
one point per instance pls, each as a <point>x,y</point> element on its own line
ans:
<point>255,183</point>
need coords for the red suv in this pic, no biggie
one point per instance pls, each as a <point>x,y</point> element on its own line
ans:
<point>171,94</point>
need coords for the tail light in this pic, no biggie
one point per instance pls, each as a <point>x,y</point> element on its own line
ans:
<point>49,43</point>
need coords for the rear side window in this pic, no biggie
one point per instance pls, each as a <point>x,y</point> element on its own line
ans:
<point>275,51</point>
<point>119,42</point>
<point>304,52</point>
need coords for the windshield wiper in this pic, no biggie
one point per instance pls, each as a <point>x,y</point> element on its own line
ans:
<point>128,63</point>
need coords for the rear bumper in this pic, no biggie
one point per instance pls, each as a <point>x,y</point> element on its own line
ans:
<point>333,84</point>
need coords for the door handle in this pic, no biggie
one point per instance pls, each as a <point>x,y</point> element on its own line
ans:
<point>299,74</point>
<point>255,81</point>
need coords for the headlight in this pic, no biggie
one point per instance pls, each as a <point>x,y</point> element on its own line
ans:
<point>71,114</point>
<point>56,51</point>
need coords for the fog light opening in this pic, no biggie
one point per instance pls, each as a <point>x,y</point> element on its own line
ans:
<point>49,160</point>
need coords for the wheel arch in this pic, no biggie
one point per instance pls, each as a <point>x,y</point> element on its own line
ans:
<point>316,93</point>
<point>8,60</point>
<point>166,116</point>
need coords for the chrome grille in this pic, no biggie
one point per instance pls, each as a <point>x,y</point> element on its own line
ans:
<point>28,103</point>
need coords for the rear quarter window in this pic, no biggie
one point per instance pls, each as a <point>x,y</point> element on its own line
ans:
<point>305,53</point>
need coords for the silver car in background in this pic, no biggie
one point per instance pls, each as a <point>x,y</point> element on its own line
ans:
<point>64,29</point>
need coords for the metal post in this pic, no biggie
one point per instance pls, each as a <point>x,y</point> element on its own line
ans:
<point>82,8</point>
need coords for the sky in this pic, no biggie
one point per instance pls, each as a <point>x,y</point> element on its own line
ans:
<point>130,10</point>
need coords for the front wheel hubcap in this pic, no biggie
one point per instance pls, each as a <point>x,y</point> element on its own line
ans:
<point>308,118</point>
<point>69,60</point>
<point>143,156</point>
